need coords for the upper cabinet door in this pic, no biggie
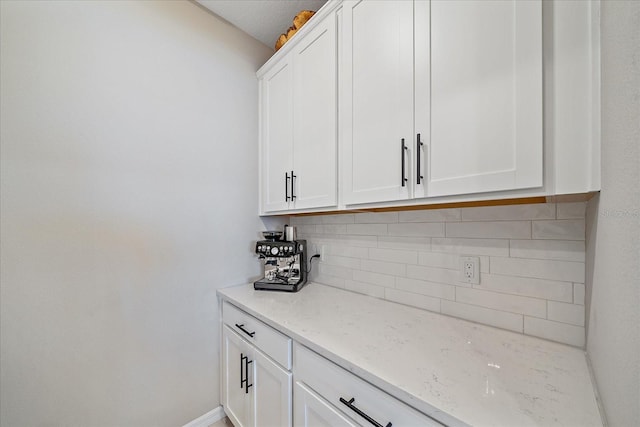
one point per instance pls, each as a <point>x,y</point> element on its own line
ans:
<point>277,136</point>
<point>376,100</point>
<point>483,79</point>
<point>315,116</point>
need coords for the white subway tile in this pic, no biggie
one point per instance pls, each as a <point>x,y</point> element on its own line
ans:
<point>337,219</point>
<point>491,247</point>
<point>431,274</point>
<point>450,261</point>
<point>384,267</point>
<point>564,229</point>
<point>510,212</point>
<point>563,250</point>
<point>572,210</point>
<point>336,282</point>
<point>415,229</point>
<point>414,300</point>
<point>331,229</point>
<point>341,261</point>
<point>376,217</point>
<point>306,229</point>
<point>348,251</point>
<point>493,230</point>
<point>525,286</point>
<point>410,243</point>
<point>423,287</point>
<point>430,215</point>
<point>394,255</point>
<point>336,271</point>
<point>367,229</point>
<point>374,278</point>
<point>305,220</point>
<point>364,288</point>
<point>555,331</point>
<point>566,313</point>
<point>578,293</point>
<point>503,302</point>
<point>346,240</point>
<point>565,271</point>
<point>487,316</point>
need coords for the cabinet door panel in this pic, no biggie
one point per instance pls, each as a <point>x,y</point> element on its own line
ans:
<point>313,411</point>
<point>377,99</point>
<point>277,135</point>
<point>237,402</point>
<point>272,388</point>
<point>486,96</point>
<point>315,132</point>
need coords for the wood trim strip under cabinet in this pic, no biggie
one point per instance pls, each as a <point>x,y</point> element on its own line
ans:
<point>567,198</point>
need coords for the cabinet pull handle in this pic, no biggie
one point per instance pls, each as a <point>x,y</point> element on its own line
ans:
<point>403,148</point>
<point>286,187</point>
<point>351,406</point>
<point>244,376</point>
<point>242,379</point>
<point>419,145</point>
<point>241,327</point>
<point>293,196</point>
<point>246,371</point>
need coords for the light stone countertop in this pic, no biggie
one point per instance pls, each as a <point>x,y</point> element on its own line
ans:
<point>450,369</point>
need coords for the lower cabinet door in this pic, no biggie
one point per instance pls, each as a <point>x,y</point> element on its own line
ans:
<point>310,410</point>
<point>272,393</point>
<point>237,357</point>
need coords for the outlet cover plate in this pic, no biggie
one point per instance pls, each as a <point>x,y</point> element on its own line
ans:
<point>470,269</point>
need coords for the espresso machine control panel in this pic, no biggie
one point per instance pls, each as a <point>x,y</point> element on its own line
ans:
<point>278,249</point>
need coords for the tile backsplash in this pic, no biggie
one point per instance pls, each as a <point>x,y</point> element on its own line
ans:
<point>532,262</point>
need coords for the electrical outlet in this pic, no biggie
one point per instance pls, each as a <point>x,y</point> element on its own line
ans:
<point>470,269</point>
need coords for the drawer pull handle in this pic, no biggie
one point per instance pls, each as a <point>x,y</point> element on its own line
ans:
<point>351,406</point>
<point>241,327</point>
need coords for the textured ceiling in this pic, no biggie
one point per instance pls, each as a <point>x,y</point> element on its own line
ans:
<point>264,20</point>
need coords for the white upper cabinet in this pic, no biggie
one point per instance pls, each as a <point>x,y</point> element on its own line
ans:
<point>483,107</point>
<point>428,102</point>
<point>315,117</point>
<point>376,100</point>
<point>473,70</point>
<point>298,122</point>
<point>277,136</point>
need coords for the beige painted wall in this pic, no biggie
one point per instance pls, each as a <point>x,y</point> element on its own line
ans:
<point>613,226</point>
<point>129,194</point>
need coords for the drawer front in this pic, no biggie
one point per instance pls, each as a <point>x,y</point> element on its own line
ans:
<point>273,343</point>
<point>338,386</point>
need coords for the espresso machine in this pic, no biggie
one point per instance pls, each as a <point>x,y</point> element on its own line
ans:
<point>285,263</point>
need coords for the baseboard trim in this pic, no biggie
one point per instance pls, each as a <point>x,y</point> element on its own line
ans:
<point>207,419</point>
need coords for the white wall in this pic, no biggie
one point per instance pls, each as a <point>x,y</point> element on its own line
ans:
<point>532,262</point>
<point>129,194</point>
<point>613,222</point>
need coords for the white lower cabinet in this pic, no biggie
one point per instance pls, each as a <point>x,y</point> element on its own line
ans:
<point>256,390</point>
<point>338,392</point>
<point>311,410</point>
<point>257,383</point>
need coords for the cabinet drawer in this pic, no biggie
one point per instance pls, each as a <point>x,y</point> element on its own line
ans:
<point>338,386</point>
<point>274,344</point>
